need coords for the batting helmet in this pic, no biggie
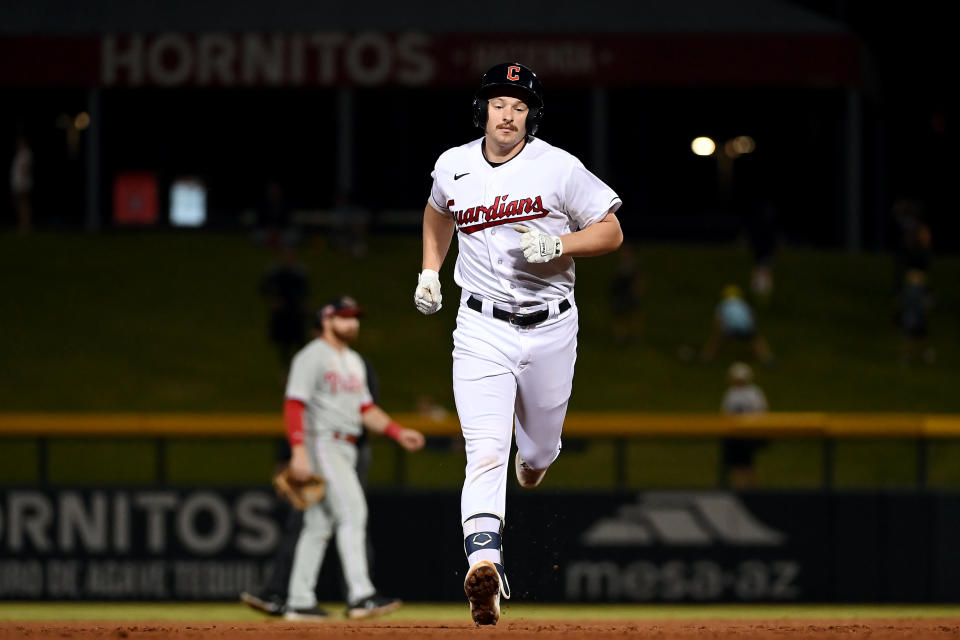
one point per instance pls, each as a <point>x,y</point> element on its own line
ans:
<point>515,75</point>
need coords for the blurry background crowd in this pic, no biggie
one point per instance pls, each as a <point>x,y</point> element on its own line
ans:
<point>187,183</point>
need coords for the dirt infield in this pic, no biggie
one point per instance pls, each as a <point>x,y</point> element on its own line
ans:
<point>879,629</point>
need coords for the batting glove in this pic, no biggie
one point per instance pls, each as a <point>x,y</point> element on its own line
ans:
<point>427,296</point>
<point>538,246</point>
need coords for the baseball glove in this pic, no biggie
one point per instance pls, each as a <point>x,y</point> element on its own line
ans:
<point>300,494</point>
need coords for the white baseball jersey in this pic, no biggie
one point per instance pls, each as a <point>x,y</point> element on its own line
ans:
<point>332,384</point>
<point>542,187</point>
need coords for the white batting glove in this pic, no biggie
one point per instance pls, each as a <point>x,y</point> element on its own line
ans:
<point>427,296</point>
<point>538,246</point>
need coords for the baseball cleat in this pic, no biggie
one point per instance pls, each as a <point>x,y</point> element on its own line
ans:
<point>482,587</point>
<point>310,614</point>
<point>527,476</point>
<point>375,605</point>
<point>270,605</point>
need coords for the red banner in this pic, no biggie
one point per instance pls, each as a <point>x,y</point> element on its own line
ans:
<point>135,198</point>
<point>416,59</point>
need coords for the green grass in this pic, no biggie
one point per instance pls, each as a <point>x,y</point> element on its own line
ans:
<point>451,612</point>
<point>173,322</point>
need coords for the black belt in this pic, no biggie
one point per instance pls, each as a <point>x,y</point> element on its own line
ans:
<point>518,319</point>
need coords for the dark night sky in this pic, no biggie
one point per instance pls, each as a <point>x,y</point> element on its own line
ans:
<point>912,94</point>
<point>910,110</point>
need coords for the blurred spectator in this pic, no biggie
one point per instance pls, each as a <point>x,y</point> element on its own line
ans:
<point>626,292</point>
<point>734,321</point>
<point>742,397</point>
<point>285,286</point>
<point>348,224</point>
<point>21,184</point>
<point>274,227</point>
<point>914,248</point>
<point>429,408</point>
<point>762,235</point>
<point>915,304</point>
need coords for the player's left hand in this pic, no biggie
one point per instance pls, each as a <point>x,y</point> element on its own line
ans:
<point>299,463</point>
<point>301,493</point>
<point>538,246</point>
<point>411,440</point>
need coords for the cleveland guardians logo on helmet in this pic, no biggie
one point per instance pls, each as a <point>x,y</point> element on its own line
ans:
<point>513,75</point>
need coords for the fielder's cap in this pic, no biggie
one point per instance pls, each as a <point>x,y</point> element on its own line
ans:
<point>344,306</point>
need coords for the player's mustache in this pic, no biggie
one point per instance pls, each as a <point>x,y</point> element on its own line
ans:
<point>506,126</point>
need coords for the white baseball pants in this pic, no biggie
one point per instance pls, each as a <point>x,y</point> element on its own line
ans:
<point>501,372</point>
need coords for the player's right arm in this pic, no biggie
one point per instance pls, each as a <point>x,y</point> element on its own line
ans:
<point>437,234</point>
<point>299,385</point>
<point>293,411</point>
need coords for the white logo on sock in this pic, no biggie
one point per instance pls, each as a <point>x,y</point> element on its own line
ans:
<point>485,542</point>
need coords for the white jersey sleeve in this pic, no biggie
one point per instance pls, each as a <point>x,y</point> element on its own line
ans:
<point>302,379</point>
<point>439,199</point>
<point>587,199</point>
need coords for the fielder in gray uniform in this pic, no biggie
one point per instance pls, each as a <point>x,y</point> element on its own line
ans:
<point>270,597</point>
<point>328,404</point>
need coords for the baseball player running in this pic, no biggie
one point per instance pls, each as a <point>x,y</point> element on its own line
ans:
<point>523,209</point>
<point>327,406</point>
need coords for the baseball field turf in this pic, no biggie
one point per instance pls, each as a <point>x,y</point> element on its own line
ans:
<point>424,620</point>
<point>456,612</point>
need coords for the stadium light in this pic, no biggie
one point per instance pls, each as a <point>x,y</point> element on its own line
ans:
<point>744,144</point>
<point>82,121</point>
<point>703,146</point>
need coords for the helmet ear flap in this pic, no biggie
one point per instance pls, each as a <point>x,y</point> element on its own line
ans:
<point>534,116</point>
<point>479,112</point>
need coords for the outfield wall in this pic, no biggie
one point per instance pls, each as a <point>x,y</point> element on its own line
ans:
<point>620,450</point>
<point>177,507</point>
<point>650,546</point>
<point>780,424</point>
